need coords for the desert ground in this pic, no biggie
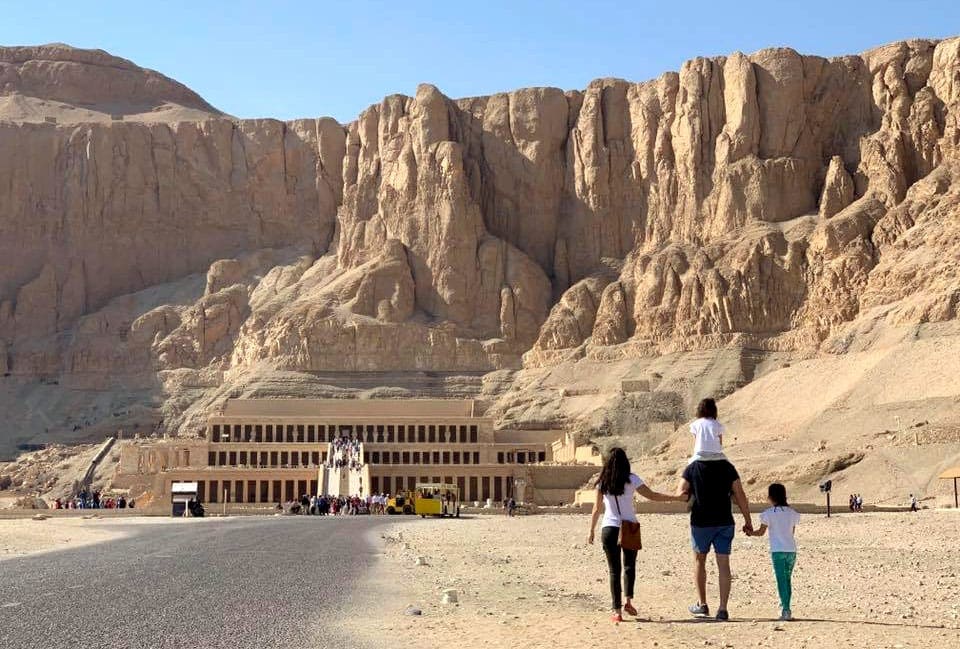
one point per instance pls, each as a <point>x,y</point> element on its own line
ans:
<point>862,580</point>
<point>230,566</point>
<point>22,536</point>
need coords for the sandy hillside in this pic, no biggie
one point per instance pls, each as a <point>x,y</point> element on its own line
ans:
<point>883,422</point>
<point>868,580</point>
<point>55,471</point>
<point>20,109</point>
<point>59,84</point>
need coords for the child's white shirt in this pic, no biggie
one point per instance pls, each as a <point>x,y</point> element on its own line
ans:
<point>706,433</point>
<point>780,522</point>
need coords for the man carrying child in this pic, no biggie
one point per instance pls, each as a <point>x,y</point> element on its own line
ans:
<point>710,481</point>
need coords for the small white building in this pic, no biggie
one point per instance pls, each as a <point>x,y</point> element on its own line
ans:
<point>181,493</point>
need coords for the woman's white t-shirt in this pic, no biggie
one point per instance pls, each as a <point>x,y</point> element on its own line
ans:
<point>780,522</point>
<point>707,433</point>
<point>611,516</point>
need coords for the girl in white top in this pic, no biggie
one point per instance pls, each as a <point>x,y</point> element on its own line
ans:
<point>616,490</point>
<point>781,520</point>
<point>707,433</point>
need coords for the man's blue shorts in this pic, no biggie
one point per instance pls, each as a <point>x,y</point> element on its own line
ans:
<point>720,537</point>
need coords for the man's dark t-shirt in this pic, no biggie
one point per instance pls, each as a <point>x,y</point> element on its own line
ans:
<point>711,485</point>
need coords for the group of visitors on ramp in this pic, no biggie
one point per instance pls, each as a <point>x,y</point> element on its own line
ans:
<point>708,484</point>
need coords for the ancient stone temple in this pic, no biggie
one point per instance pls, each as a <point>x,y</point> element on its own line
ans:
<point>266,451</point>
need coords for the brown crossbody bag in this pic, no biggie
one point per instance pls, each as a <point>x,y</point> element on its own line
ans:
<point>630,538</point>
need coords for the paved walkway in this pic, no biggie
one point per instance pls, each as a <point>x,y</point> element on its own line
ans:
<point>273,582</point>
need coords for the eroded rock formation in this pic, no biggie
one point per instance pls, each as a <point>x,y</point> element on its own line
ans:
<point>769,200</point>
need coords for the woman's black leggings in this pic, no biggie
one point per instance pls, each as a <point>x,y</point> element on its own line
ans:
<point>610,537</point>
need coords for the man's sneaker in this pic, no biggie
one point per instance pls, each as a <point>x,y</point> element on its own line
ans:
<point>699,610</point>
<point>786,615</point>
<point>722,616</point>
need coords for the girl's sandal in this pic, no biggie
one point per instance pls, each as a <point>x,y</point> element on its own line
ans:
<point>616,618</point>
<point>629,609</point>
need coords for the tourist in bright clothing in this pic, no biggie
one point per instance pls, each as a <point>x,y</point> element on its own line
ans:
<point>781,520</point>
<point>616,489</point>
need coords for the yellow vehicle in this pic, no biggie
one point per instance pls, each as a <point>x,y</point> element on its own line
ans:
<point>436,499</point>
<point>402,503</point>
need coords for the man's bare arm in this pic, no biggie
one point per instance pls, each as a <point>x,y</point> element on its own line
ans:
<point>740,497</point>
<point>683,488</point>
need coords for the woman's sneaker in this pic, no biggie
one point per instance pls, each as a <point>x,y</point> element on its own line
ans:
<point>723,616</point>
<point>786,615</point>
<point>699,610</point>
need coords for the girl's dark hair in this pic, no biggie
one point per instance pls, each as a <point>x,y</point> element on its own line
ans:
<point>615,473</point>
<point>777,494</point>
<point>707,409</point>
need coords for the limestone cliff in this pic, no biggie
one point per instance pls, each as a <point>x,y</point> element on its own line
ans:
<point>156,246</point>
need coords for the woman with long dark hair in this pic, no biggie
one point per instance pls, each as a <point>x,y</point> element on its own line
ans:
<point>616,489</point>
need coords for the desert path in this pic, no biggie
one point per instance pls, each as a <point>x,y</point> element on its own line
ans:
<point>237,583</point>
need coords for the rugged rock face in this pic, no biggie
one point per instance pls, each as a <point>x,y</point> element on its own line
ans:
<point>95,212</point>
<point>770,201</point>
<point>61,73</point>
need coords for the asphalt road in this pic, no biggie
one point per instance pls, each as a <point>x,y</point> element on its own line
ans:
<point>278,582</point>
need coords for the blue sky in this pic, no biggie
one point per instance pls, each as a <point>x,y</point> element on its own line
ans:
<point>306,59</point>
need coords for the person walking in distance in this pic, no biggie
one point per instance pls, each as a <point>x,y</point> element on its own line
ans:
<point>616,489</point>
<point>710,486</point>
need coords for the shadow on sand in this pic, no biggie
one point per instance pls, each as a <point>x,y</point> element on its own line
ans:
<point>796,620</point>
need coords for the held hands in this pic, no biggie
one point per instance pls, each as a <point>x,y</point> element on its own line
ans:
<point>748,529</point>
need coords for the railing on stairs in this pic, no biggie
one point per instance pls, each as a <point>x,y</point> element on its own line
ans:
<point>87,478</point>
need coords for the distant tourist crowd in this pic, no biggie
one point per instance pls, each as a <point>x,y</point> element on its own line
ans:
<point>93,500</point>
<point>346,453</point>
<point>323,505</point>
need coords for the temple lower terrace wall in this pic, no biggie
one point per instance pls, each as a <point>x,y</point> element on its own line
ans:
<point>269,451</point>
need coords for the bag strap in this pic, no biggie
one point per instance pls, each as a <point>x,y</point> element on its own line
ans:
<point>616,499</point>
